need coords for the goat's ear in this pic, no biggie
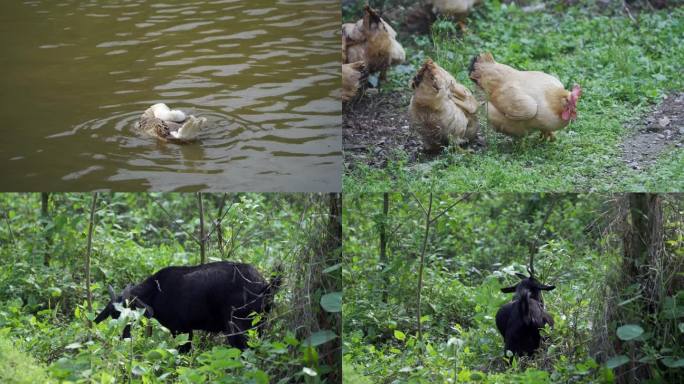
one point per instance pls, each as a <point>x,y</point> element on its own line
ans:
<point>547,287</point>
<point>509,289</point>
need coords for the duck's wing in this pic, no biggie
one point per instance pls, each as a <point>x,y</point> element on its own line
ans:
<point>148,114</point>
<point>190,129</point>
<point>157,127</point>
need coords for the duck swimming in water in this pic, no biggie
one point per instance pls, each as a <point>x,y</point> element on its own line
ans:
<point>170,124</point>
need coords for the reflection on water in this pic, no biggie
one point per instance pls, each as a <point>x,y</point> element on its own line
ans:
<point>76,76</point>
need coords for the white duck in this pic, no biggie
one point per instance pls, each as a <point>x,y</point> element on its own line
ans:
<point>170,124</point>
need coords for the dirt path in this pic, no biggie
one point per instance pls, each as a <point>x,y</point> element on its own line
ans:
<point>659,131</point>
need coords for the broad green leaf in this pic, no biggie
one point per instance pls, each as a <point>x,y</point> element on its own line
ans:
<point>259,376</point>
<point>332,268</point>
<point>221,353</point>
<point>673,307</point>
<point>332,302</point>
<point>290,339</point>
<point>671,362</point>
<point>629,332</point>
<point>55,292</point>
<point>156,354</point>
<point>138,370</point>
<point>617,361</point>
<point>399,335</point>
<point>226,364</point>
<point>181,339</point>
<point>320,337</point>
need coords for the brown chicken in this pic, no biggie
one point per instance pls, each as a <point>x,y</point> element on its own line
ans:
<point>523,101</point>
<point>441,109</point>
<point>373,41</point>
<point>354,75</point>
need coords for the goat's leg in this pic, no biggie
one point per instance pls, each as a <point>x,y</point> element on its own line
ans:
<point>235,329</point>
<point>185,348</point>
<point>126,334</point>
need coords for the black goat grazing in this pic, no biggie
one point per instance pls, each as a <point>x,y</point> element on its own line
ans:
<point>214,297</point>
<point>519,321</point>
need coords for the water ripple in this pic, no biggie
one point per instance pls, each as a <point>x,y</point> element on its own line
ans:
<point>265,74</point>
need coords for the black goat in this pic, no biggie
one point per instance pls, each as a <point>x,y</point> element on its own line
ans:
<point>519,321</point>
<point>214,297</point>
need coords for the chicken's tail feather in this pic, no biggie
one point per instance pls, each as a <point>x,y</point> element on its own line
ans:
<point>485,57</point>
<point>418,78</point>
<point>371,15</point>
<point>471,68</point>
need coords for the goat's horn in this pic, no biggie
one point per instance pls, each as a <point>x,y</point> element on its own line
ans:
<point>547,287</point>
<point>127,292</point>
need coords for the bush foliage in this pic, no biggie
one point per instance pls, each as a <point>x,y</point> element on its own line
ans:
<point>472,252</point>
<point>43,306</point>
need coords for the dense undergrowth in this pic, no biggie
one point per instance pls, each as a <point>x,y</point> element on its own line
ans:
<point>46,329</point>
<point>624,63</point>
<point>472,252</point>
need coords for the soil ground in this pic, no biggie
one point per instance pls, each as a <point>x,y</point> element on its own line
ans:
<point>376,126</point>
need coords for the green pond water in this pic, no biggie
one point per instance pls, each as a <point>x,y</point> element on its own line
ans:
<point>76,75</point>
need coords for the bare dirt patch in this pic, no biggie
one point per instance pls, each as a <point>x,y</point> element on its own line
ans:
<point>662,129</point>
<point>376,127</point>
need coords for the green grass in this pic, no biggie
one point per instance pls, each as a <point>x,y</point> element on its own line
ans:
<point>624,69</point>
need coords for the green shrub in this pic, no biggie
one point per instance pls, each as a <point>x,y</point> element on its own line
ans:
<point>17,366</point>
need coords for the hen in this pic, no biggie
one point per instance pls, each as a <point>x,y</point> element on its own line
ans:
<point>523,101</point>
<point>353,77</point>
<point>373,41</point>
<point>456,8</point>
<point>441,109</point>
